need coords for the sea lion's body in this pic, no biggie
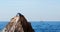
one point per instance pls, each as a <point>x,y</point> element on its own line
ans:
<point>18,24</point>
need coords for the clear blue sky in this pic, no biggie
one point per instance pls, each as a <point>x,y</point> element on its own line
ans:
<point>34,10</point>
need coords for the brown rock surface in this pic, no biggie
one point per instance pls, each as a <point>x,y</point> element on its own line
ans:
<point>19,24</point>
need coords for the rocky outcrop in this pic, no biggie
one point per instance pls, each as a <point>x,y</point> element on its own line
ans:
<point>18,24</point>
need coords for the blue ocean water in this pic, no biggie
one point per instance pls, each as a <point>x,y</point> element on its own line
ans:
<point>42,26</point>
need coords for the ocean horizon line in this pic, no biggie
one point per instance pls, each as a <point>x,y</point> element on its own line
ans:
<point>36,21</point>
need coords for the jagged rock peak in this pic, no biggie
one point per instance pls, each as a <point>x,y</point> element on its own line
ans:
<point>18,24</point>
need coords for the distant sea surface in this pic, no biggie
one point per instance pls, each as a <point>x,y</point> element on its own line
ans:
<point>40,26</point>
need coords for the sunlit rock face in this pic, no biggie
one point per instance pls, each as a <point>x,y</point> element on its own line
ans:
<point>18,24</point>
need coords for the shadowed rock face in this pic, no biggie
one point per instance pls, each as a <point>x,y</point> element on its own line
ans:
<point>18,24</point>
